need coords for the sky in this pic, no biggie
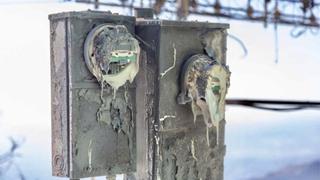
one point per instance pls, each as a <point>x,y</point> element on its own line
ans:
<point>257,141</point>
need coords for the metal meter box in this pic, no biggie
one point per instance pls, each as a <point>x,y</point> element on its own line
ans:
<point>93,125</point>
<point>180,144</point>
<point>142,97</point>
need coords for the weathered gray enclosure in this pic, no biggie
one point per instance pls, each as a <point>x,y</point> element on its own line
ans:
<point>143,131</point>
<point>176,147</point>
<point>82,146</point>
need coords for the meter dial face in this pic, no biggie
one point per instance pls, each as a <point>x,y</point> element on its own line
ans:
<point>204,83</point>
<point>112,54</point>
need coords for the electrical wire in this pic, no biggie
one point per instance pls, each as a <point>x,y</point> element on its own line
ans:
<point>236,13</point>
<point>239,41</point>
<point>273,105</point>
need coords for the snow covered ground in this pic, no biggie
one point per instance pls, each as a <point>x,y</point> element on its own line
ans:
<point>261,146</point>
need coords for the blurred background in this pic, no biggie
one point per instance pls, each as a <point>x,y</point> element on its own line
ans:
<point>273,54</point>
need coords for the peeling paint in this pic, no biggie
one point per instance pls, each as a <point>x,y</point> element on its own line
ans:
<point>90,155</point>
<point>167,116</point>
<point>112,56</point>
<point>183,160</point>
<point>174,61</point>
<point>208,136</point>
<point>193,151</point>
